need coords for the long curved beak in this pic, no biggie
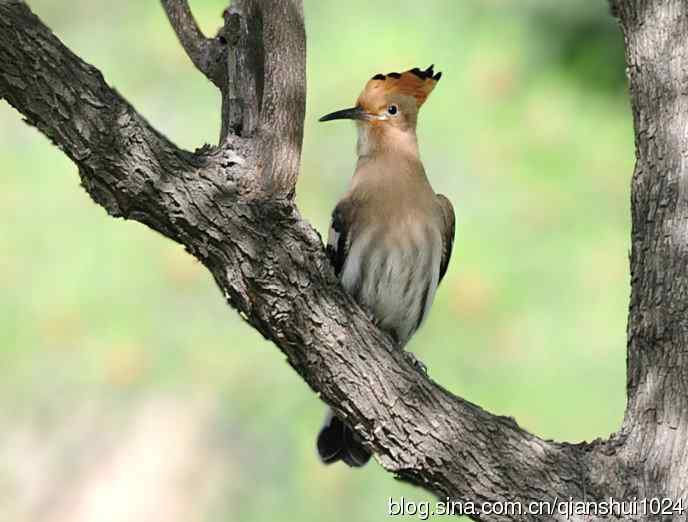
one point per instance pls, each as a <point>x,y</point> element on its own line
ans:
<point>354,113</point>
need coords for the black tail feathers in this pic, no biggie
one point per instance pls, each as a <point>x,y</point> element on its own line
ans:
<point>336,442</point>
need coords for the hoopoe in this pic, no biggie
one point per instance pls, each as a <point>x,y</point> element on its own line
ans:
<point>391,236</point>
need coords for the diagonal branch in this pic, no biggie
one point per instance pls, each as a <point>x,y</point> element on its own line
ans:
<point>226,205</point>
<point>74,107</point>
<point>207,54</point>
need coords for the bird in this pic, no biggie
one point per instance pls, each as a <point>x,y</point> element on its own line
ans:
<point>391,236</point>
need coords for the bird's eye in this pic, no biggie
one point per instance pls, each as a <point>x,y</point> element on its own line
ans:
<point>392,110</point>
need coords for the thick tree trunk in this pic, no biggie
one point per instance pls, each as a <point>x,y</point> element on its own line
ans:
<point>232,207</point>
<point>656,422</point>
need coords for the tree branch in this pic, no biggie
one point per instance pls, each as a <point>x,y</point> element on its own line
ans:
<point>283,104</point>
<point>232,208</point>
<point>657,413</point>
<point>208,55</point>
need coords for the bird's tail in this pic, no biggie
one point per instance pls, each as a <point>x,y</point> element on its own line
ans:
<point>336,441</point>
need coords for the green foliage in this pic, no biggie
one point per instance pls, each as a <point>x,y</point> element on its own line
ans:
<point>528,133</point>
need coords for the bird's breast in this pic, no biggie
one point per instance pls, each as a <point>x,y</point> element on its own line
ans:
<point>392,269</point>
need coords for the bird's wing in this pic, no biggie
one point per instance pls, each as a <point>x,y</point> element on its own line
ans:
<point>338,237</point>
<point>447,211</point>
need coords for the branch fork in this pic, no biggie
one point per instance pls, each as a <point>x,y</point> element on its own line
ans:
<point>232,207</point>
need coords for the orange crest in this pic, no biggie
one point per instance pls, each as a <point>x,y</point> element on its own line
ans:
<point>414,82</point>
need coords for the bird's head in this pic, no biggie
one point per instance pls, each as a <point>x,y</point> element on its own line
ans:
<point>391,100</point>
<point>387,111</point>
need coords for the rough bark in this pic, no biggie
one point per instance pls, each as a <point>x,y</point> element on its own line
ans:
<point>656,421</point>
<point>208,55</point>
<point>232,207</point>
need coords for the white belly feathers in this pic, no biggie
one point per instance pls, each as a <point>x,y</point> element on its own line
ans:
<point>395,275</point>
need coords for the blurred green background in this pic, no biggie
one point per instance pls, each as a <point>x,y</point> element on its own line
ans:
<point>130,392</point>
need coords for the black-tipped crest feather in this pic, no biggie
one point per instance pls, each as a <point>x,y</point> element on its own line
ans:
<point>427,74</point>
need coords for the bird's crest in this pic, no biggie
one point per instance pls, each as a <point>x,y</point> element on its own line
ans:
<point>414,82</point>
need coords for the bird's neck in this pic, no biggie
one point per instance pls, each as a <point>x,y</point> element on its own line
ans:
<point>378,139</point>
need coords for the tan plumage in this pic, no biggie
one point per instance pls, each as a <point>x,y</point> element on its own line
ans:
<point>414,83</point>
<point>391,236</point>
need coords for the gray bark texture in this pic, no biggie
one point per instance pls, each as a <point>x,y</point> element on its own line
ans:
<point>232,207</point>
